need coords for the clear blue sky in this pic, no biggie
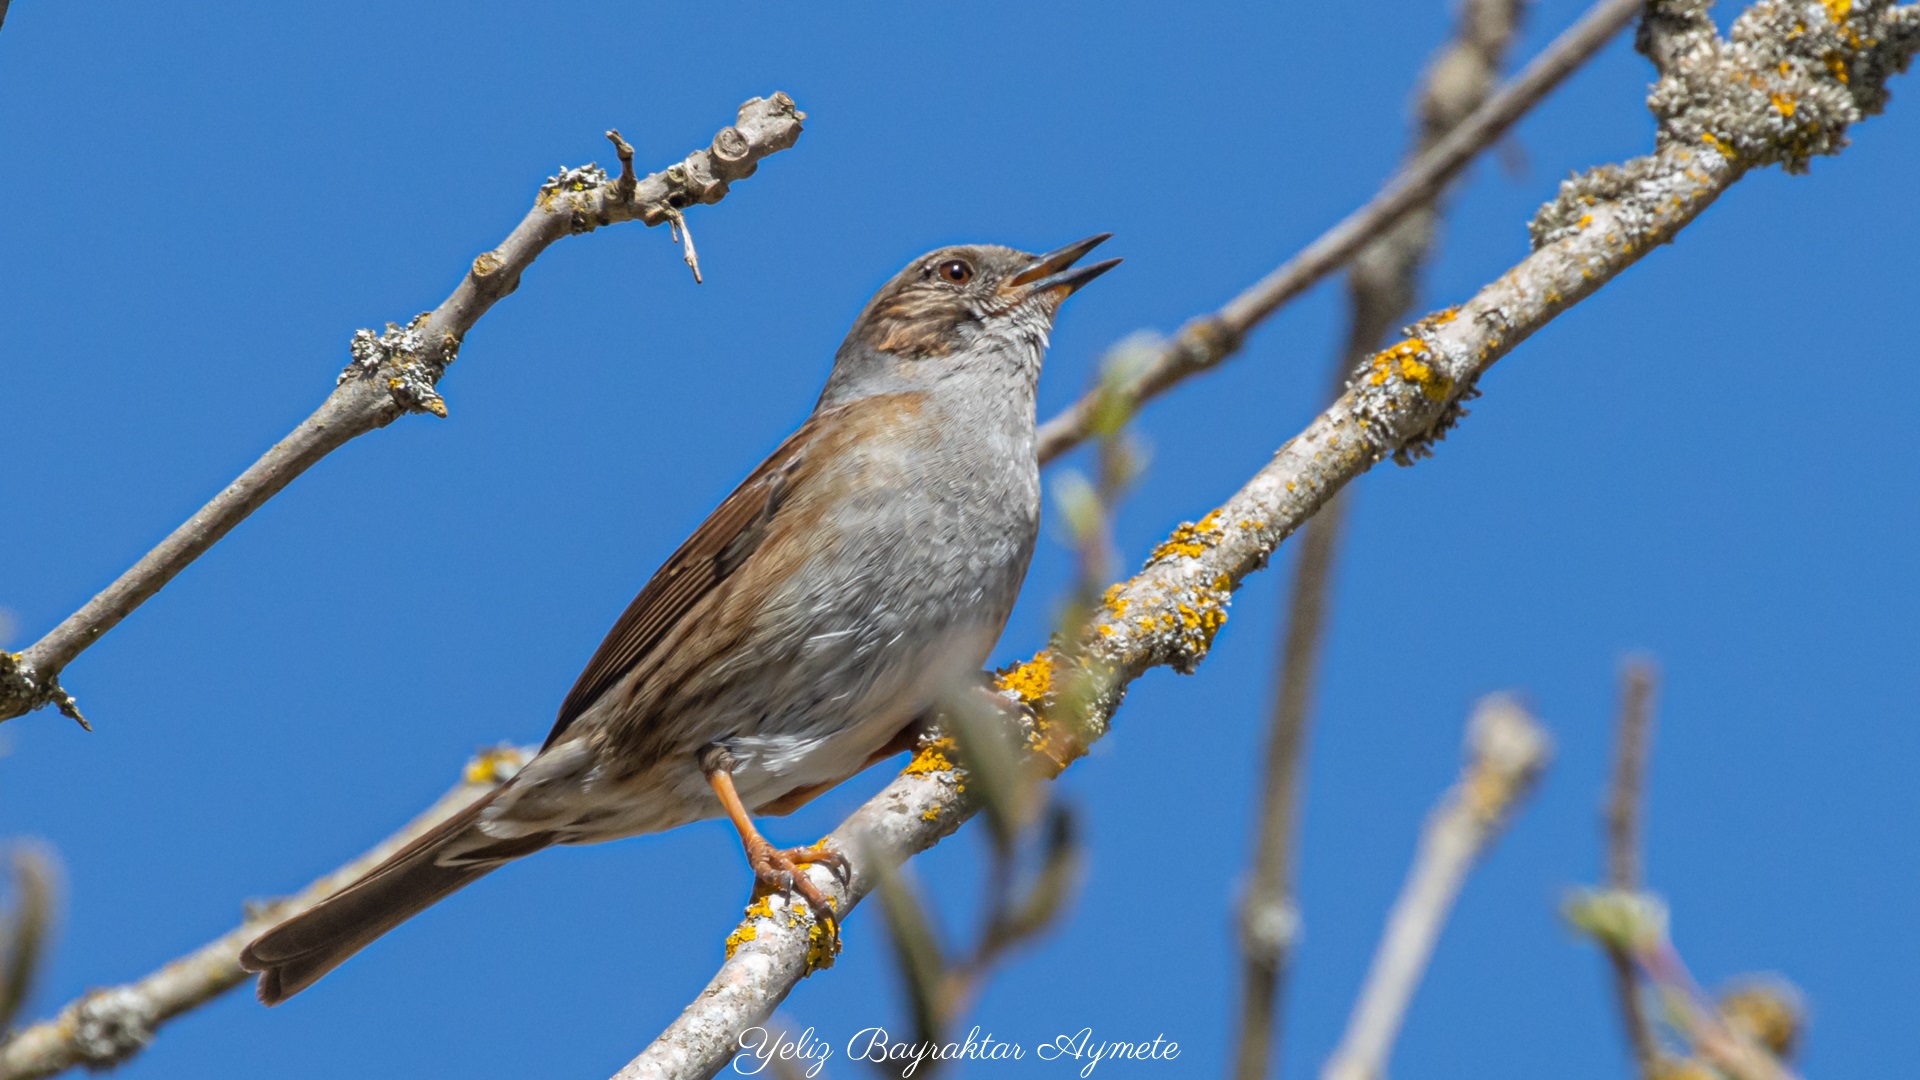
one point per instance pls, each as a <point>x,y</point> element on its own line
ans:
<point>204,200</point>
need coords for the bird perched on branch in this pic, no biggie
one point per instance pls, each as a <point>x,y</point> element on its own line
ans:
<point>861,571</point>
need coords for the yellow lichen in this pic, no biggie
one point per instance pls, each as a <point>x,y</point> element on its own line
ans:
<point>1837,10</point>
<point>1116,601</point>
<point>1726,149</point>
<point>486,263</point>
<point>494,765</point>
<point>931,813</point>
<point>823,944</point>
<point>1408,361</point>
<point>1191,539</point>
<point>1784,103</point>
<point>930,758</point>
<point>1837,64</point>
<point>1032,680</point>
<point>1585,220</point>
<point>747,931</point>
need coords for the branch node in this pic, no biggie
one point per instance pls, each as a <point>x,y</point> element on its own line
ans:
<point>407,359</point>
<point>23,688</point>
<point>628,180</point>
<point>109,1026</point>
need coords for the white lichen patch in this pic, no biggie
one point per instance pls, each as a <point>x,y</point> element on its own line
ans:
<point>402,356</point>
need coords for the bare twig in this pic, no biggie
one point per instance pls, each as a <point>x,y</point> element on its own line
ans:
<point>1167,614</point>
<point>1381,285</point>
<point>396,372</point>
<point>1506,750</point>
<point>1209,339</point>
<point>1623,847</point>
<point>108,1026</point>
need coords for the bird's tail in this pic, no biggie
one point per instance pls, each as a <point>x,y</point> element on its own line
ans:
<point>292,956</point>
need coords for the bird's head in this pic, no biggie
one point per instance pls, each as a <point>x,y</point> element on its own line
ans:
<point>956,309</point>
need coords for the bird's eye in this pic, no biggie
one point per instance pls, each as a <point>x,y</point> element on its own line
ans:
<point>958,271</point>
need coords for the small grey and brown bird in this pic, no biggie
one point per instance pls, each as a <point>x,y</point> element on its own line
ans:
<point>858,574</point>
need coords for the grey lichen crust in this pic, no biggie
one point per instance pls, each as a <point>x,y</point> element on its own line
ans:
<point>1781,88</point>
<point>400,356</point>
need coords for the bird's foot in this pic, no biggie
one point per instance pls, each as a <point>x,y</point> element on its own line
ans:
<point>782,870</point>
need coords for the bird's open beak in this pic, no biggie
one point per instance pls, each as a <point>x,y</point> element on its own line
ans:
<point>1053,271</point>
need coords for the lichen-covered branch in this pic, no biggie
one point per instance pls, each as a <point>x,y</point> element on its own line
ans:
<point>106,1027</point>
<point>397,371</point>
<point>1381,284</point>
<point>1506,751</point>
<point>1206,341</point>
<point>1830,69</point>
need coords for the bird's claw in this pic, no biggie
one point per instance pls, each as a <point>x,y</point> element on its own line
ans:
<point>779,870</point>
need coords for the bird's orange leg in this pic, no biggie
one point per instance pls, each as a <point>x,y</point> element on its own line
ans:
<point>775,868</point>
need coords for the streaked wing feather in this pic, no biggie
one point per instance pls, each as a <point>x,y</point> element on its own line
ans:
<point>713,553</point>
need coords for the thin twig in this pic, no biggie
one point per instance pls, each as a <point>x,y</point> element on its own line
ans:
<point>106,1027</point>
<point>1167,614</point>
<point>397,372</point>
<point>1622,827</point>
<point>1381,283</point>
<point>1506,750</point>
<point>1209,339</point>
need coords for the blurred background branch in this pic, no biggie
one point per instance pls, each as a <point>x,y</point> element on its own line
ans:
<point>1382,284</point>
<point>1506,752</point>
<point>1755,1026</point>
<point>26,925</point>
<point>1623,839</point>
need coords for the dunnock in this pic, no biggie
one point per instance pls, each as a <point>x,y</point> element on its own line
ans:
<point>796,638</point>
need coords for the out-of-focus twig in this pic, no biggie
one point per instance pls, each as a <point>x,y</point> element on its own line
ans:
<point>398,371</point>
<point>1622,827</point>
<point>24,929</point>
<point>1209,339</point>
<point>1381,285</point>
<point>1506,751</point>
<point>106,1027</point>
<point>1730,1037</point>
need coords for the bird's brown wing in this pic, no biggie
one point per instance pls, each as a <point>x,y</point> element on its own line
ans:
<point>715,550</point>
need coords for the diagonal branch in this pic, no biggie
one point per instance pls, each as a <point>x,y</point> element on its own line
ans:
<point>1381,285</point>
<point>1506,751</point>
<point>396,372</point>
<point>106,1027</point>
<point>1209,339</point>
<point>1718,120</point>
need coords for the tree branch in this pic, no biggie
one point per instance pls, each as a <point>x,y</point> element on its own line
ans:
<point>1209,339</point>
<point>1506,751</point>
<point>1407,396</point>
<point>106,1027</point>
<point>1381,285</point>
<point>1623,849</point>
<point>397,372</point>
